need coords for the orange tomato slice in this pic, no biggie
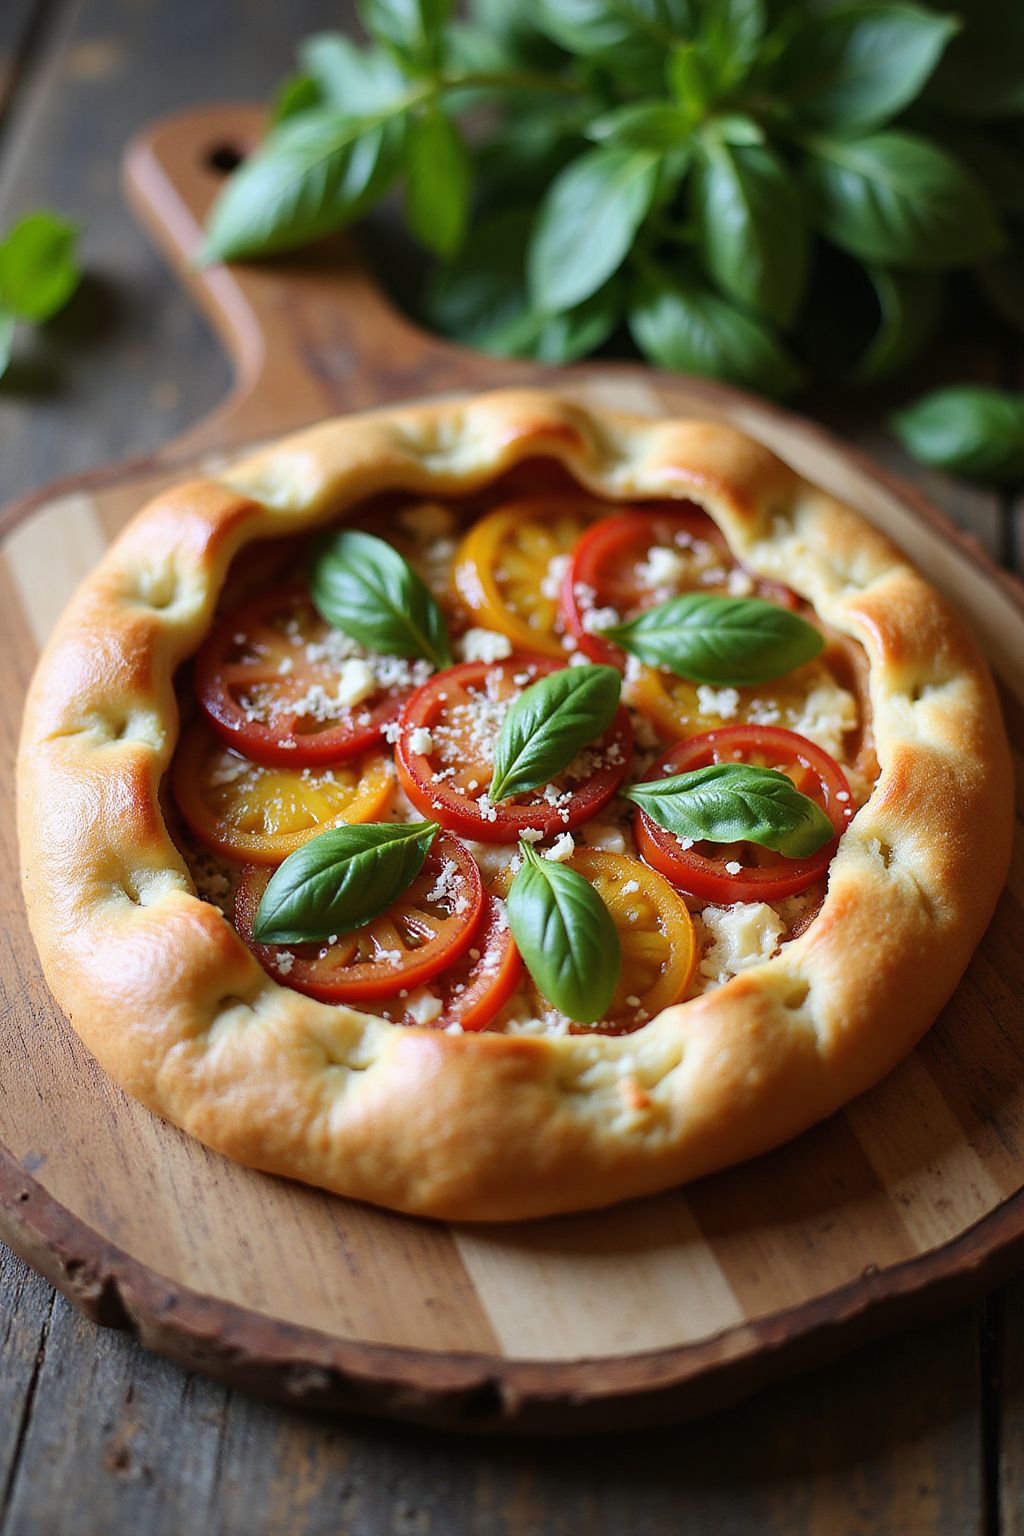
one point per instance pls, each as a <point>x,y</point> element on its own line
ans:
<point>502,570</point>
<point>659,947</point>
<point>261,814</point>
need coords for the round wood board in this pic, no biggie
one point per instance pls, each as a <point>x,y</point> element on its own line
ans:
<point>905,1201</point>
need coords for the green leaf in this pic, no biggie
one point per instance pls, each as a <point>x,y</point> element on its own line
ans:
<point>481,299</point>
<point>982,73</point>
<point>1002,283</point>
<point>689,80</point>
<point>727,641</point>
<point>362,585</point>
<point>652,125</point>
<point>968,429</point>
<point>736,128</point>
<point>438,169</point>
<point>412,27</point>
<point>315,174</point>
<point>295,95</point>
<point>565,935</point>
<point>730,39</point>
<point>625,35</point>
<point>678,323</point>
<point>357,81</point>
<point>752,234</point>
<point>549,723</point>
<point>909,308</point>
<point>736,803</point>
<point>340,880</point>
<point>38,270</point>
<point>857,66</point>
<point>587,224</point>
<point>7,325</point>
<point>898,200</point>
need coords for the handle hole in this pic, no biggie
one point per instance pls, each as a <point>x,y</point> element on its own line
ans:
<point>224,158</point>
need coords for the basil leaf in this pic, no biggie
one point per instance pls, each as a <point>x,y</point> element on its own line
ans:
<point>295,95</point>
<point>438,169</point>
<point>362,585</point>
<point>751,230</point>
<point>909,306</point>
<point>736,803</point>
<point>357,81</point>
<point>678,323</point>
<point>565,935</point>
<point>480,297</point>
<point>626,35</point>
<point>315,173</point>
<point>899,200</point>
<point>340,880</point>
<point>968,429</point>
<point>730,641</point>
<point>587,223</point>
<point>654,125</point>
<point>412,27</point>
<point>38,270</point>
<point>548,724</point>
<point>7,324</point>
<point>857,66</point>
<point>730,39</point>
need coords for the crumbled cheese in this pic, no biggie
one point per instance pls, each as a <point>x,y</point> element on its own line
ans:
<point>561,849</point>
<point>663,568</point>
<point>531,834</point>
<point>228,770</point>
<point>734,867</point>
<point>551,582</point>
<point>283,961</point>
<point>627,888</point>
<point>596,619</point>
<point>741,936</point>
<point>829,712</point>
<point>427,520</point>
<point>356,682</point>
<point>485,645</point>
<point>739,583</point>
<point>423,1006</point>
<point>420,740</point>
<point>723,702</point>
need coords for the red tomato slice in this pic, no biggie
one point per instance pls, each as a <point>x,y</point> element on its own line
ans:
<point>473,991</point>
<point>606,571</point>
<point>266,679</point>
<point>763,875</point>
<point>430,926</point>
<point>462,708</point>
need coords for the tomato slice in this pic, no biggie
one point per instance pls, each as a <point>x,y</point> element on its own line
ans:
<point>269,677</point>
<point>659,947</point>
<point>462,709</point>
<point>762,875</point>
<point>611,578</point>
<point>503,570</point>
<point>254,812</point>
<point>430,926</point>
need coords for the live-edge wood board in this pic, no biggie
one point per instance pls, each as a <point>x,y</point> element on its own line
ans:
<point>905,1202</point>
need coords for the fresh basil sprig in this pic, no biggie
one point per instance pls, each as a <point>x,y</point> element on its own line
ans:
<point>340,880</point>
<point>728,641</point>
<point>38,273</point>
<point>736,803</point>
<point>969,429</point>
<point>565,935</point>
<point>362,585</point>
<point>549,723</point>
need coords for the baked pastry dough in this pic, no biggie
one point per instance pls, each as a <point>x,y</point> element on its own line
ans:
<point>489,1126</point>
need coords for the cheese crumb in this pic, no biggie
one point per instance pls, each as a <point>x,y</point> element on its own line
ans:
<point>741,936</point>
<point>423,1006</point>
<point>733,867</point>
<point>662,568</point>
<point>551,582</point>
<point>420,740</point>
<point>723,702</point>
<point>485,645</point>
<point>561,849</point>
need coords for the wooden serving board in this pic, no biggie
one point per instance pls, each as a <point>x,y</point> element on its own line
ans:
<point>907,1200</point>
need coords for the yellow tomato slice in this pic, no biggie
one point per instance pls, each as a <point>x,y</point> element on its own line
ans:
<point>659,948</point>
<point>678,709</point>
<point>261,814</point>
<point>503,573</point>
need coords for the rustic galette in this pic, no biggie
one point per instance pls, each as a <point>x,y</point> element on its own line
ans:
<point>497,807</point>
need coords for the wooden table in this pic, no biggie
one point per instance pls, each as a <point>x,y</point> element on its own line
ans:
<point>920,1434</point>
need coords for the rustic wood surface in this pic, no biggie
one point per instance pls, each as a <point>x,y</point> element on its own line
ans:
<point>921,1434</point>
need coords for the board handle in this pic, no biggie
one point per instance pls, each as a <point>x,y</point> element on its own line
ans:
<point>310,334</point>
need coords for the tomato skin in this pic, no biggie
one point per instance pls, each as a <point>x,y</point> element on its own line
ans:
<point>331,978</point>
<point>460,812</point>
<point>704,875</point>
<point>488,982</point>
<point>279,742</point>
<point>605,560</point>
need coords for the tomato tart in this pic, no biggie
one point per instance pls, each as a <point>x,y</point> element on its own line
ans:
<point>498,807</point>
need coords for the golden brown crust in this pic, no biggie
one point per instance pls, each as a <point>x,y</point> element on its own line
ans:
<point>490,1126</point>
